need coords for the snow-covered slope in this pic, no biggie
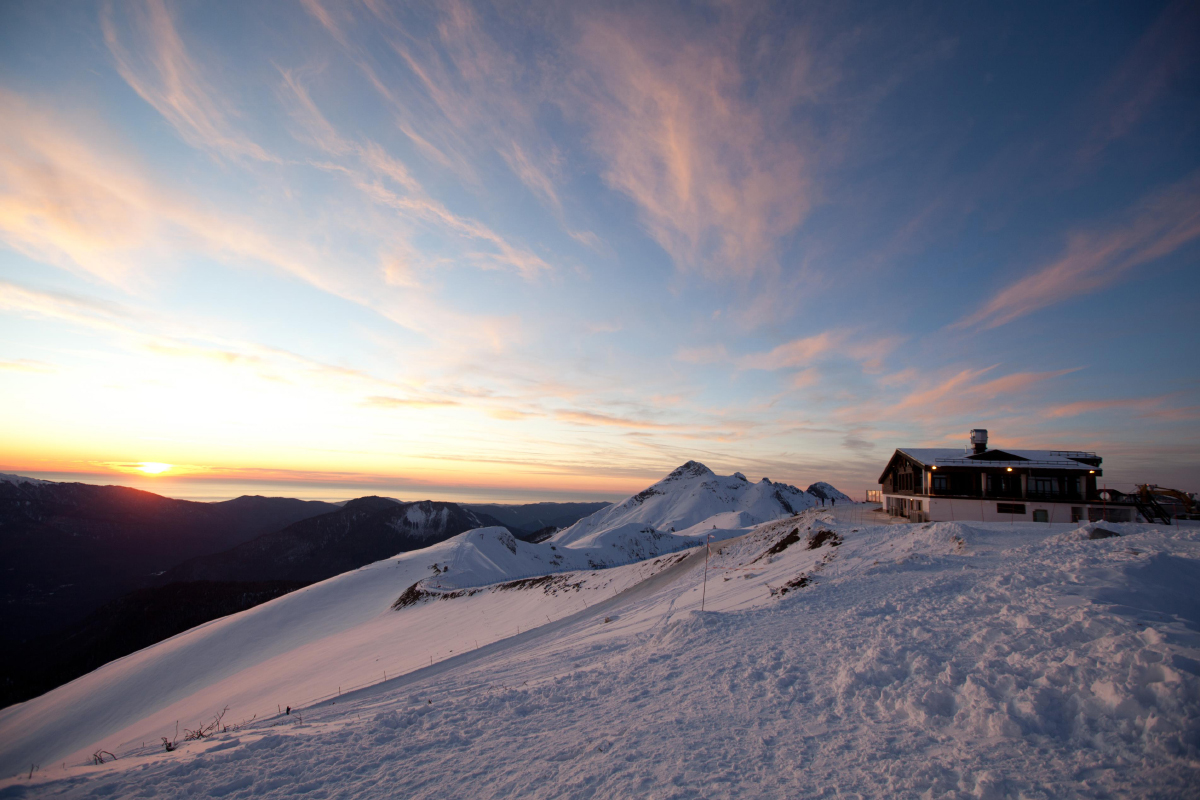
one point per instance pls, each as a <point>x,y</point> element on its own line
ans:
<point>690,502</point>
<point>943,660</point>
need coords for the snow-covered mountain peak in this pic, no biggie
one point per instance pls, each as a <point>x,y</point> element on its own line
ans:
<point>689,502</point>
<point>824,491</point>
<point>691,469</point>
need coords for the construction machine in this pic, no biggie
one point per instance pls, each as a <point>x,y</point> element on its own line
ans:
<point>1148,503</point>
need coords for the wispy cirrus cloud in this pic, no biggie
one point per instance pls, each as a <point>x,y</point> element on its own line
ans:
<point>381,401</point>
<point>72,308</point>
<point>26,365</point>
<point>160,69</point>
<point>1156,227</point>
<point>805,351</point>
<point>794,354</point>
<point>1165,54</point>
<point>1160,407</point>
<point>964,393</point>
<point>463,90</point>
<point>84,205</point>
<point>386,181</point>
<point>714,183</point>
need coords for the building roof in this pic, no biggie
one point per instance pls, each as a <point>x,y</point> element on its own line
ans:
<point>958,457</point>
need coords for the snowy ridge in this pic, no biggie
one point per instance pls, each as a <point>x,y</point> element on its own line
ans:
<point>824,491</point>
<point>690,502</point>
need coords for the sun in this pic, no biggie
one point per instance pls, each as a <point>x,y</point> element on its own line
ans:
<point>153,467</point>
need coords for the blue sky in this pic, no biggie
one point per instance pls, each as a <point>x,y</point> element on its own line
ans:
<point>510,251</point>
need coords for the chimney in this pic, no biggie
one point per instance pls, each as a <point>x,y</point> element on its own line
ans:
<point>979,439</point>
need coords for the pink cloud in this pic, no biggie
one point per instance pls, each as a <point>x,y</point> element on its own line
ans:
<point>161,70</point>
<point>1156,227</point>
<point>1092,406</point>
<point>794,354</point>
<point>715,179</point>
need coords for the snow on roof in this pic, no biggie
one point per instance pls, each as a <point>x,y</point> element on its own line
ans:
<point>957,457</point>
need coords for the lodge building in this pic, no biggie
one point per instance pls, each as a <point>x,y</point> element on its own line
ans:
<point>987,485</point>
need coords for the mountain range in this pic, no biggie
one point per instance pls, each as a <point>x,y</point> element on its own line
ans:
<point>104,581</point>
<point>485,665</point>
<point>93,573</point>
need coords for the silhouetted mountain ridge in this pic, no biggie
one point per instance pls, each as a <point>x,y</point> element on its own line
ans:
<point>68,548</point>
<point>361,532</point>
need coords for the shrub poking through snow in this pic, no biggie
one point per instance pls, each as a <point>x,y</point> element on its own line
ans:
<point>781,545</point>
<point>202,731</point>
<point>798,582</point>
<point>98,757</point>
<point>410,597</point>
<point>821,537</point>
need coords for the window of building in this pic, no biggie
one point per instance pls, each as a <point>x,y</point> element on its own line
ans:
<point>1041,515</point>
<point>1043,485</point>
<point>940,483</point>
<point>1010,508</point>
<point>1076,514</point>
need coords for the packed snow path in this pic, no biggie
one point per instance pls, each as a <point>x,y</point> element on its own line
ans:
<point>944,660</point>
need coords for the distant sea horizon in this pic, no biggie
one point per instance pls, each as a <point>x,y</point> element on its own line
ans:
<point>218,490</point>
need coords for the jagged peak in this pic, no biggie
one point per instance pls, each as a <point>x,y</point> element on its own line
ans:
<point>740,477</point>
<point>689,470</point>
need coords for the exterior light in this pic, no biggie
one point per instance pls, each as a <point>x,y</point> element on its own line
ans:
<point>1009,469</point>
<point>936,468</point>
<point>1091,472</point>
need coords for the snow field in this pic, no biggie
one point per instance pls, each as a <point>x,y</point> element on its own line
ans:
<point>943,660</point>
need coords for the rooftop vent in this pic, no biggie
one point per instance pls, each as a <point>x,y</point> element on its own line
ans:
<point>979,439</point>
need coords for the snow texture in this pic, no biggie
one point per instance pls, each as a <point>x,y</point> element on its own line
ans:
<point>833,657</point>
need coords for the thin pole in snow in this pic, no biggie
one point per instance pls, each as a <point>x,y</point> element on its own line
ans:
<point>704,589</point>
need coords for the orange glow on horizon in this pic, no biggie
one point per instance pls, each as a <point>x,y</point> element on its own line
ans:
<point>153,467</point>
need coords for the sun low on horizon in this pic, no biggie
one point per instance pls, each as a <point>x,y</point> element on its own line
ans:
<point>464,250</point>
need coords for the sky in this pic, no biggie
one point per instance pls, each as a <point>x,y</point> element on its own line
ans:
<point>548,251</point>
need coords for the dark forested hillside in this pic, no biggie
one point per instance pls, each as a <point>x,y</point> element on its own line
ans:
<point>360,532</point>
<point>124,626</point>
<point>524,520</point>
<point>68,548</point>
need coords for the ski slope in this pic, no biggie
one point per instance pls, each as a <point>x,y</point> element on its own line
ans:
<point>946,660</point>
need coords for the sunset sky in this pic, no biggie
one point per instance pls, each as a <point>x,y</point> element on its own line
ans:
<point>529,250</point>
